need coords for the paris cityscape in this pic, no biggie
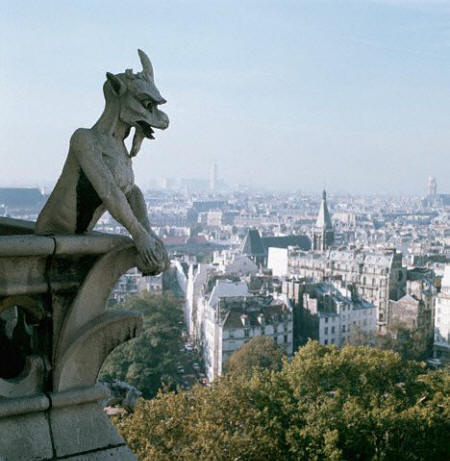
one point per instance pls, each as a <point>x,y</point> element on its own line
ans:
<point>367,265</point>
<point>225,230</point>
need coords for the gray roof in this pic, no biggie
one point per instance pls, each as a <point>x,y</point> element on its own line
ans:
<point>301,241</point>
<point>253,245</point>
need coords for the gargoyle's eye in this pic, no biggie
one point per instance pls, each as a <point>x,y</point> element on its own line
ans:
<point>147,103</point>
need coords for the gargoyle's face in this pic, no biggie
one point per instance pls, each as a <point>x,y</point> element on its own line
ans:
<point>139,106</point>
<point>138,98</point>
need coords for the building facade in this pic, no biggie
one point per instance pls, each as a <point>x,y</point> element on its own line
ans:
<point>329,312</point>
<point>377,276</point>
<point>441,345</point>
<point>234,320</point>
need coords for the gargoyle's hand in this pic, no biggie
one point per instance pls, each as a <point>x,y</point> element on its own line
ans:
<point>152,256</point>
<point>162,256</point>
<point>146,247</point>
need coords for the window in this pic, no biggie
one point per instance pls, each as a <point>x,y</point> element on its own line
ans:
<point>332,330</point>
<point>275,338</point>
<point>285,339</point>
<point>343,328</point>
<point>326,330</point>
<point>332,340</point>
<point>246,333</point>
<point>326,341</point>
<point>326,319</point>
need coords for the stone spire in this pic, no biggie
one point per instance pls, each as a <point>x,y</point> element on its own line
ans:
<point>323,218</point>
<point>323,234</point>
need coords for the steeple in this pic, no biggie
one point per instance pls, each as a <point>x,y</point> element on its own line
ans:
<point>323,234</point>
<point>323,218</point>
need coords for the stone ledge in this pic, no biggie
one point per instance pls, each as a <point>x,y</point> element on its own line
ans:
<point>122,453</point>
<point>24,405</point>
<point>82,428</point>
<point>79,396</point>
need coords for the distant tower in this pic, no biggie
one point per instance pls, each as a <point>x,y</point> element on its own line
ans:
<point>213,178</point>
<point>323,234</point>
<point>432,187</point>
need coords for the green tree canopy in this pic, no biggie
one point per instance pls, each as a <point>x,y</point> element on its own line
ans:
<point>150,360</point>
<point>410,343</point>
<point>354,403</point>
<point>260,352</point>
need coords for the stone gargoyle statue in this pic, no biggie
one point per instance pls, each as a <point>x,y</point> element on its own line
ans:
<point>98,173</point>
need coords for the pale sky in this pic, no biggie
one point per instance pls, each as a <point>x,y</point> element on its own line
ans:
<point>354,95</point>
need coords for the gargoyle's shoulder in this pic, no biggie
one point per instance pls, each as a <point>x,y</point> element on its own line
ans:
<point>82,137</point>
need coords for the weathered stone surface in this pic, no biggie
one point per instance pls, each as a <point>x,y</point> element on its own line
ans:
<point>94,291</point>
<point>28,383</point>
<point>12,226</point>
<point>26,245</point>
<point>80,363</point>
<point>25,437</point>
<point>113,454</point>
<point>79,396</point>
<point>23,405</point>
<point>81,428</point>
<point>92,243</point>
<point>22,275</point>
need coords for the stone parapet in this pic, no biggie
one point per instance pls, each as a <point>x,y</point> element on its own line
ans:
<point>55,334</point>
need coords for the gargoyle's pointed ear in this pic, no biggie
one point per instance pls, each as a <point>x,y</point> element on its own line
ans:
<point>116,84</point>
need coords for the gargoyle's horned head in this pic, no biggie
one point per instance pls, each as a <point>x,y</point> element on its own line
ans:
<point>138,100</point>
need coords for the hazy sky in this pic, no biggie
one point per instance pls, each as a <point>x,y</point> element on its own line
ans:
<point>354,95</point>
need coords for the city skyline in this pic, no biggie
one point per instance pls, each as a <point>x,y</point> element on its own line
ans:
<point>292,96</point>
<point>203,186</point>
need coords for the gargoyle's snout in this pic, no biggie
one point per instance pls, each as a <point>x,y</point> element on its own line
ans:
<point>164,119</point>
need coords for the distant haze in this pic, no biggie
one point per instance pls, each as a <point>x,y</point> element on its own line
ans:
<point>351,95</point>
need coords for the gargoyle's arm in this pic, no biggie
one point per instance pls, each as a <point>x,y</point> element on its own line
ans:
<point>137,203</point>
<point>90,159</point>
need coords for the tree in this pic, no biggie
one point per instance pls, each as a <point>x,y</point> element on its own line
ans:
<point>260,352</point>
<point>354,403</point>
<point>150,360</point>
<point>411,344</point>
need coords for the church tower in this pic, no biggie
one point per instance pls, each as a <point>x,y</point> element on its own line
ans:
<point>323,234</point>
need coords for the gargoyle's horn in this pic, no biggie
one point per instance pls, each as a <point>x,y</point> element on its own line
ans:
<point>147,68</point>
